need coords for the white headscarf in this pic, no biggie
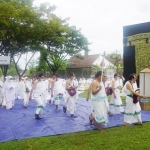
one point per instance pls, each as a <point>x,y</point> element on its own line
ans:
<point>9,83</point>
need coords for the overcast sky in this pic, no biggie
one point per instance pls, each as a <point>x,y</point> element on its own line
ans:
<point>102,21</point>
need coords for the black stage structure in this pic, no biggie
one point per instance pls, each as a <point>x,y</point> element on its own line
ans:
<point>136,51</point>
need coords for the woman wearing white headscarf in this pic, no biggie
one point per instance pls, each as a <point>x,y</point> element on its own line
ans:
<point>8,92</point>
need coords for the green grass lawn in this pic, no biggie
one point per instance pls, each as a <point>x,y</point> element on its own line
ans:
<point>118,138</point>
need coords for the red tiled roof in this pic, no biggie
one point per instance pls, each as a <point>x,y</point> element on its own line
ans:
<point>86,62</point>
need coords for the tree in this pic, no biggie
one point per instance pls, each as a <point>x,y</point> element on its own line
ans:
<point>117,58</point>
<point>96,68</point>
<point>57,62</point>
<point>17,31</point>
<point>32,68</point>
<point>24,28</point>
<point>43,66</point>
<point>11,70</point>
<point>59,39</point>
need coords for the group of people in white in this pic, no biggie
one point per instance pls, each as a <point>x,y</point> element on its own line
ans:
<point>101,108</point>
<point>54,90</point>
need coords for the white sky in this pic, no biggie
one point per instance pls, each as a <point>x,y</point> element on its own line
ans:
<point>102,21</point>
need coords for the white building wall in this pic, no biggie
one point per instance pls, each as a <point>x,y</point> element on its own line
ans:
<point>99,60</point>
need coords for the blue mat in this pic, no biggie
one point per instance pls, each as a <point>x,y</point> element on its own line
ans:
<point>19,123</point>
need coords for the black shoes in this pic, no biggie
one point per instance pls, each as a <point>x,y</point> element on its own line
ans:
<point>37,117</point>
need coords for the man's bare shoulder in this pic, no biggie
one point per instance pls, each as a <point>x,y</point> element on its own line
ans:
<point>68,81</point>
<point>94,82</point>
<point>35,82</point>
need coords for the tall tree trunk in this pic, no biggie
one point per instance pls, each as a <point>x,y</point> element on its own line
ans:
<point>4,69</point>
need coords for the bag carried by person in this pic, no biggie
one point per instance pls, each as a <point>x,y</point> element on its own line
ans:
<point>27,89</point>
<point>135,98</point>
<point>108,91</point>
<point>72,92</point>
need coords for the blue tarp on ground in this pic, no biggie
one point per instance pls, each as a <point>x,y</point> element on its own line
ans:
<point>19,123</point>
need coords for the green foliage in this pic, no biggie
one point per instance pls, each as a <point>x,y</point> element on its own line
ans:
<point>96,67</point>
<point>57,62</point>
<point>32,68</point>
<point>24,28</point>
<point>42,62</point>
<point>117,57</point>
<point>11,70</point>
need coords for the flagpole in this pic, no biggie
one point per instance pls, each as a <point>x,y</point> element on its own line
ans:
<point>102,74</point>
<point>102,64</point>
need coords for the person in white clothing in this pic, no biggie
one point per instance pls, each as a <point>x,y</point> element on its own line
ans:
<point>99,102</point>
<point>22,91</point>
<point>58,90</point>
<point>52,82</point>
<point>71,95</point>
<point>45,91</point>
<point>133,110</point>
<point>9,92</point>
<point>3,97</point>
<point>115,101</point>
<point>28,88</point>
<point>104,79</point>
<point>37,91</point>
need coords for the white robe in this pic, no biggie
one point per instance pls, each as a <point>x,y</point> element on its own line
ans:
<point>46,96</point>
<point>71,106</point>
<point>38,96</point>
<point>115,105</point>
<point>58,91</point>
<point>22,92</point>
<point>27,85</point>
<point>9,92</point>
<point>99,105</point>
<point>132,111</point>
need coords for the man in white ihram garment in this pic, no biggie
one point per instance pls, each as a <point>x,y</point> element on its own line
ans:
<point>9,92</point>
<point>71,96</point>
<point>115,104</point>
<point>28,89</point>
<point>22,91</point>
<point>45,83</point>
<point>133,110</point>
<point>37,91</point>
<point>99,102</point>
<point>58,90</point>
<point>51,82</point>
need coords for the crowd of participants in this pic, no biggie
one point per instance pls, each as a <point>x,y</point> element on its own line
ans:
<point>55,89</point>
